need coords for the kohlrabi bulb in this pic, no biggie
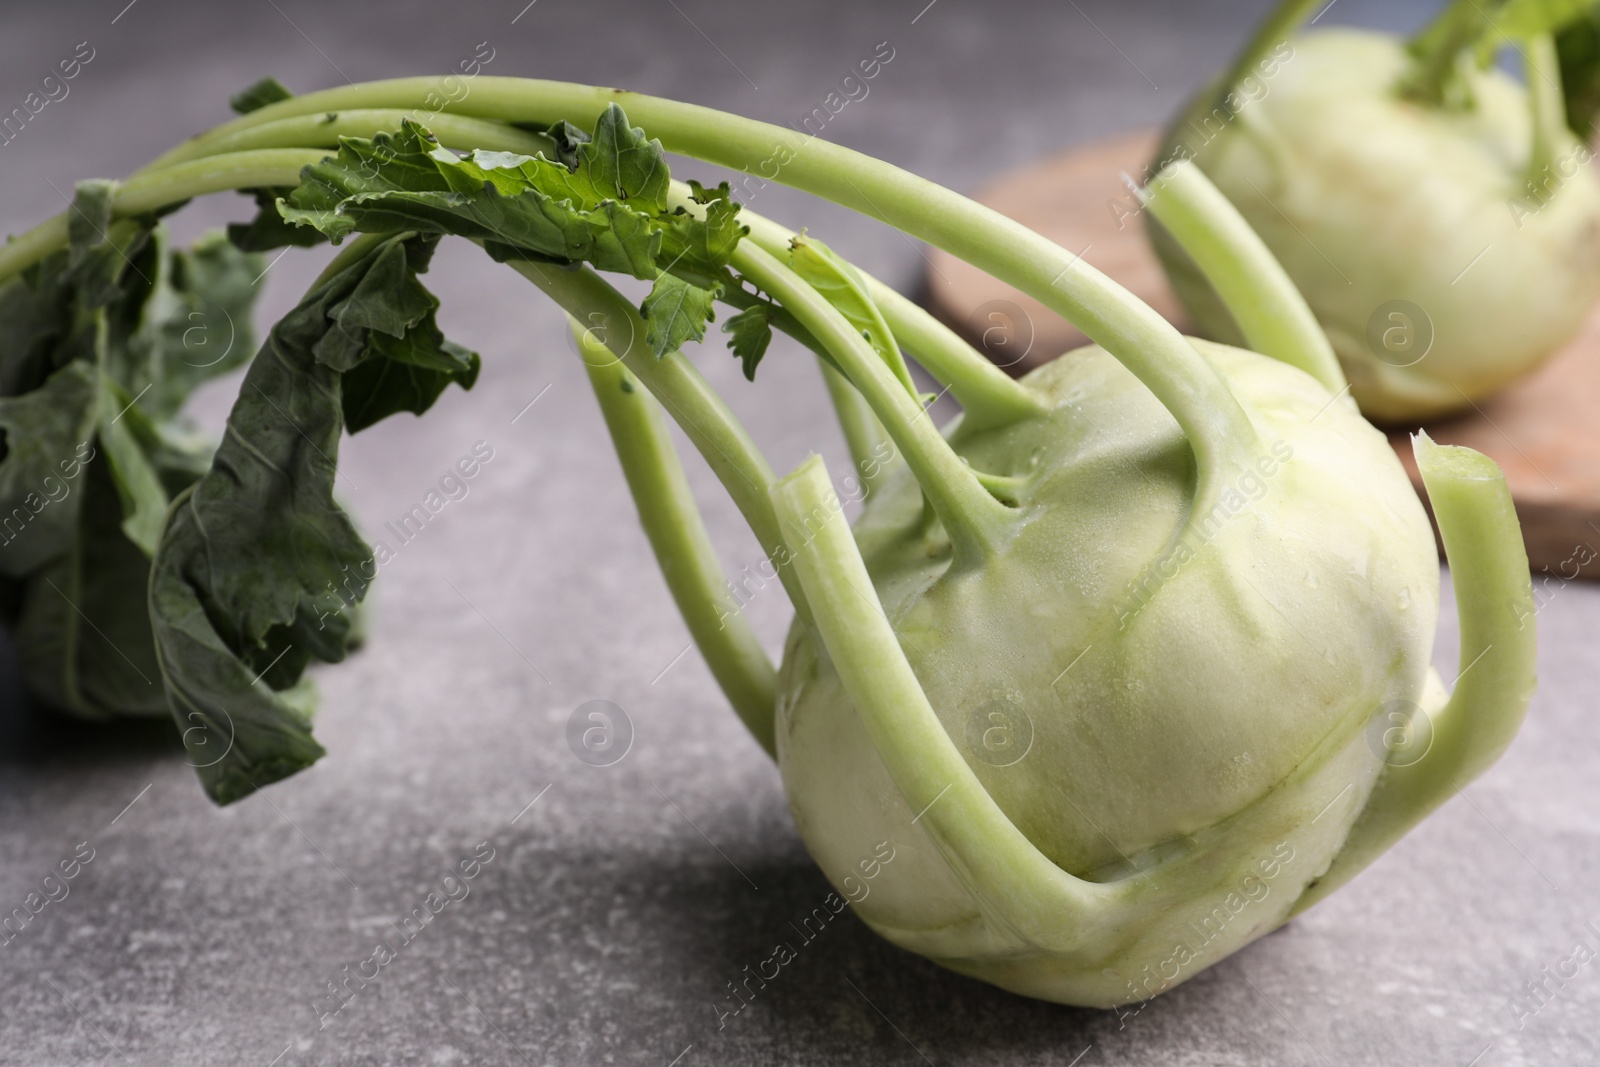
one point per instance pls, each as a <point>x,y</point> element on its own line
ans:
<point>1122,699</point>
<point>1441,263</point>
<point>1107,690</point>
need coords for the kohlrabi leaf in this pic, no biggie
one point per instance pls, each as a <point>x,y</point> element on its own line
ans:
<point>89,218</point>
<point>601,201</point>
<point>525,205</point>
<point>1520,19</point>
<point>48,435</point>
<point>569,141</point>
<point>625,164</point>
<point>259,567</point>
<point>133,472</point>
<point>410,374</point>
<point>264,92</point>
<point>193,323</point>
<point>1578,48</point>
<point>749,333</point>
<point>842,286</point>
<point>82,631</point>
<point>100,345</point>
<point>269,230</point>
<point>1480,29</point>
<point>100,252</point>
<point>675,313</point>
<point>701,247</point>
<point>35,313</point>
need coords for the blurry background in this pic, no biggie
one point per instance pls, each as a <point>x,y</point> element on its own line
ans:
<point>617,908</point>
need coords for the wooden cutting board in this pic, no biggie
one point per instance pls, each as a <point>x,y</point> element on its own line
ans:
<point>1544,431</point>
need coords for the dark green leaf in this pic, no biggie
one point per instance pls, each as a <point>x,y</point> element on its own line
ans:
<point>700,248</point>
<point>675,313</point>
<point>569,141</point>
<point>264,92</point>
<point>259,567</point>
<point>400,182</point>
<point>82,632</point>
<point>749,333</point>
<point>1578,47</point>
<point>101,253</point>
<point>144,499</point>
<point>269,230</point>
<point>49,435</point>
<point>193,324</point>
<point>625,164</point>
<point>35,313</point>
<point>414,371</point>
<point>100,345</point>
<point>1521,19</point>
<point>90,217</point>
<point>601,202</point>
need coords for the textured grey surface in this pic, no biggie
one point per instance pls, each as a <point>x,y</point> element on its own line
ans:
<point>606,925</point>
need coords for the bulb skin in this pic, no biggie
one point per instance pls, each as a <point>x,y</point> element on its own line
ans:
<point>1129,699</point>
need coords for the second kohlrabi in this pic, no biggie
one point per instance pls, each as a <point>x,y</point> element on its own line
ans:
<point>1129,664</point>
<point>1441,217</point>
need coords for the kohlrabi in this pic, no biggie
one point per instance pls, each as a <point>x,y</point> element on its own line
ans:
<point>1441,218</point>
<point>1129,664</point>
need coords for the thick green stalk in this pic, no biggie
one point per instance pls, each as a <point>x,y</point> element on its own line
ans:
<point>1499,653</point>
<point>683,392</point>
<point>1438,49</point>
<point>238,170</point>
<point>150,192</point>
<point>1217,428</point>
<point>1548,107</point>
<point>988,396</point>
<point>262,156</point>
<point>678,536</point>
<point>864,435</point>
<point>975,521</point>
<point>323,130</point>
<point>1274,30</point>
<point>1016,885</point>
<point>1274,318</point>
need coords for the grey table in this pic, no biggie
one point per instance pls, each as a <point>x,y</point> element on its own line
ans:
<point>616,908</point>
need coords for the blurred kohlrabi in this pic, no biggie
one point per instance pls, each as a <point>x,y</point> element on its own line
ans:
<point>1128,665</point>
<point>1440,216</point>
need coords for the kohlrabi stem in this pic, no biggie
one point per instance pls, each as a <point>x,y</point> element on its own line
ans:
<point>988,396</point>
<point>1274,318</point>
<point>678,537</point>
<point>214,174</point>
<point>148,192</point>
<point>1437,50</point>
<point>263,156</point>
<point>1217,428</point>
<point>1274,30</point>
<point>975,521</point>
<point>324,130</point>
<point>1548,111</point>
<point>1018,887</point>
<point>683,392</point>
<point>1494,603</point>
<point>864,435</point>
